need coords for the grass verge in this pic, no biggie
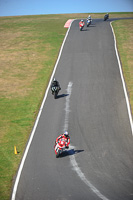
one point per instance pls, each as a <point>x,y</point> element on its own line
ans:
<point>29,48</point>
<point>124,36</point>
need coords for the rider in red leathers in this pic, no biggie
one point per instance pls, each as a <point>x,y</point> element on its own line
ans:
<point>81,23</point>
<point>64,136</point>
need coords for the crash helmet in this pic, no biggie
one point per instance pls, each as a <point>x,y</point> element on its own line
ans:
<point>66,134</point>
<point>54,79</point>
<point>81,20</point>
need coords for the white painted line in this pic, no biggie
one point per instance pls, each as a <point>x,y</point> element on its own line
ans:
<point>84,179</point>
<point>123,82</point>
<point>72,157</point>
<point>36,122</point>
<point>67,110</point>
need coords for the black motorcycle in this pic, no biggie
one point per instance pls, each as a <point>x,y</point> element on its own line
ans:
<point>106,17</point>
<point>55,91</point>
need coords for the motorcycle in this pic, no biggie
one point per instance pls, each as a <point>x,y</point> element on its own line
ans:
<point>55,91</point>
<point>59,147</point>
<point>106,17</point>
<point>81,26</point>
<point>88,22</point>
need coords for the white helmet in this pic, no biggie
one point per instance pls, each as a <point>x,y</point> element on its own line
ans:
<point>81,20</point>
<point>66,134</point>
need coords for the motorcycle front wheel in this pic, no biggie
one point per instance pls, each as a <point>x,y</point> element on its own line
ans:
<point>58,154</point>
<point>55,94</point>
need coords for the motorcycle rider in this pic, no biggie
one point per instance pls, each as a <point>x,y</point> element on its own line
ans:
<point>65,136</point>
<point>55,83</point>
<point>81,23</point>
<point>107,15</point>
<point>89,18</point>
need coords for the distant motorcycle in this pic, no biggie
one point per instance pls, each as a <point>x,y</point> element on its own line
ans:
<point>106,17</point>
<point>60,147</point>
<point>88,22</point>
<point>55,91</point>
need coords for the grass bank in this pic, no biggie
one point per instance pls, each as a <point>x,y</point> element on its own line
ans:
<point>29,48</point>
<point>124,36</point>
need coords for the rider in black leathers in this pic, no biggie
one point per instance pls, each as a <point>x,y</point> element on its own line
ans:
<point>106,16</point>
<point>55,83</point>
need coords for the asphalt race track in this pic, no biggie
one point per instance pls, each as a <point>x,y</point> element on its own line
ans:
<point>92,106</point>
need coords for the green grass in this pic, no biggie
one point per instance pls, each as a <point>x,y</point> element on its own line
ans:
<point>29,48</point>
<point>28,52</point>
<point>124,36</point>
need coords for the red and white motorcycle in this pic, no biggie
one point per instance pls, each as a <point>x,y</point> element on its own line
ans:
<point>59,147</point>
<point>81,25</point>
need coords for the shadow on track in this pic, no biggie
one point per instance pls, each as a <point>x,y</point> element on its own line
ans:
<point>85,30</point>
<point>61,96</point>
<point>92,25</point>
<point>70,152</point>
